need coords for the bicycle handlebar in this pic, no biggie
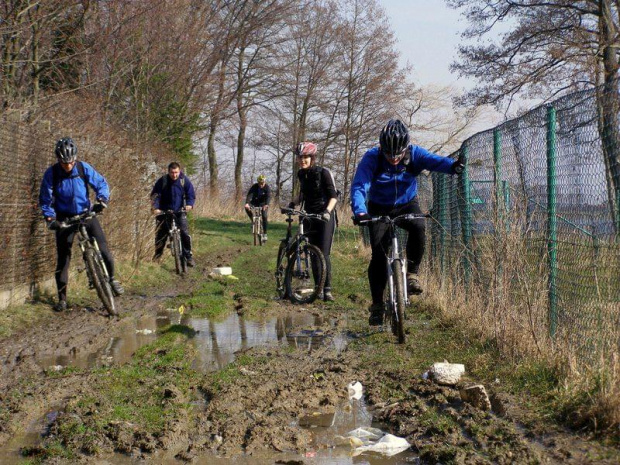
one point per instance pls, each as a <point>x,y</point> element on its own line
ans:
<point>291,212</point>
<point>387,219</point>
<point>171,212</point>
<point>76,219</point>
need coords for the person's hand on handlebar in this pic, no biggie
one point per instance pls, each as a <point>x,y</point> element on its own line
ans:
<point>247,206</point>
<point>360,217</point>
<point>157,212</point>
<point>99,206</point>
<point>187,208</point>
<point>326,216</point>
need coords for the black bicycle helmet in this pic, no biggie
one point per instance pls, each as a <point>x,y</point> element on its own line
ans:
<point>66,150</point>
<point>394,138</point>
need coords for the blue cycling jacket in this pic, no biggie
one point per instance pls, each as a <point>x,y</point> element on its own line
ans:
<point>168,194</point>
<point>71,196</point>
<point>385,184</point>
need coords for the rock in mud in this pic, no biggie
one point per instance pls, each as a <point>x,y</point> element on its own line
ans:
<point>446,373</point>
<point>477,396</point>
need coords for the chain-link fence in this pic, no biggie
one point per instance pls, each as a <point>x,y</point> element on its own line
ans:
<point>28,252</point>
<point>530,229</point>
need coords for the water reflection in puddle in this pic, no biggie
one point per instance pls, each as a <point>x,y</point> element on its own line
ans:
<point>216,342</point>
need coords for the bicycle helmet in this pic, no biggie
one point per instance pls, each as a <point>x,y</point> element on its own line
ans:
<point>306,148</point>
<point>394,139</point>
<point>66,150</point>
<point>261,178</point>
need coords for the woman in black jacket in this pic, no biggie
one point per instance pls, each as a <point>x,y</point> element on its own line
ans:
<point>317,194</point>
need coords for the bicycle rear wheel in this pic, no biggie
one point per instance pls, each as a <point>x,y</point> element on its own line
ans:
<point>95,264</point>
<point>177,251</point>
<point>305,274</point>
<point>398,312</point>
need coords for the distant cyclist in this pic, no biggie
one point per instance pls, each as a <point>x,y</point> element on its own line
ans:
<point>386,178</point>
<point>65,193</point>
<point>173,191</point>
<point>317,194</point>
<point>259,195</point>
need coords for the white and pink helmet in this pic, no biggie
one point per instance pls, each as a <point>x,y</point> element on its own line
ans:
<point>306,148</point>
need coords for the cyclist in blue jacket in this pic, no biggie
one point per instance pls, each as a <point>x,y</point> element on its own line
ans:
<point>65,193</point>
<point>173,191</point>
<point>385,185</point>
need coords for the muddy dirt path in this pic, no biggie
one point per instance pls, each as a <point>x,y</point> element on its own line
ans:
<point>277,394</point>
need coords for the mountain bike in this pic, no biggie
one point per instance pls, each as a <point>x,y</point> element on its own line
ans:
<point>96,271</point>
<point>257,225</point>
<point>174,240</point>
<point>396,295</point>
<point>300,267</point>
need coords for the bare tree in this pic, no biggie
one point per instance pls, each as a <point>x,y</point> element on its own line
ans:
<point>551,46</point>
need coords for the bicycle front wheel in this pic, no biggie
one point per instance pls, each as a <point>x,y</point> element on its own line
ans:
<point>95,265</point>
<point>398,310</point>
<point>256,230</point>
<point>305,274</point>
<point>177,251</point>
<point>280,271</point>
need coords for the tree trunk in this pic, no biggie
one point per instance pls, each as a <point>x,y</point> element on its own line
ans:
<point>608,103</point>
<point>243,122</point>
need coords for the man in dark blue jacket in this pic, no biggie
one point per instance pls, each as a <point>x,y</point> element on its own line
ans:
<point>386,179</point>
<point>63,194</point>
<point>173,191</point>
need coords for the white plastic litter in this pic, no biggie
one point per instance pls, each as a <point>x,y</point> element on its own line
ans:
<point>223,270</point>
<point>57,367</point>
<point>366,433</point>
<point>144,331</point>
<point>388,445</point>
<point>355,390</point>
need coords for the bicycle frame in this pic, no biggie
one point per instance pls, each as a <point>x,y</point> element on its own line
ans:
<point>292,246</point>
<point>84,238</point>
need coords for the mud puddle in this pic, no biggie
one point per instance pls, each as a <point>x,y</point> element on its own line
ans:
<point>216,341</point>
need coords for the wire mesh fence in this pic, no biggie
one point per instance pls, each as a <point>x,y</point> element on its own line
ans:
<point>28,252</point>
<point>531,227</point>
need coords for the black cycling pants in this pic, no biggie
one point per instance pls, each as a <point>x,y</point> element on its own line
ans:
<point>380,243</point>
<point>321,234</point>
<point>263,214</point>
<point>162,229</point>
<point>64,242</point>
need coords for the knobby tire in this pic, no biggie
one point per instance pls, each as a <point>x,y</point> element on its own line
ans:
<point>102,285</point>
<point>280,271</point>
<point>177,252</point>
<point>398,325</point>
<point>319,260</point>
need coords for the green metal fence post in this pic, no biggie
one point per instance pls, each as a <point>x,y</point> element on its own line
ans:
<point>442,215</point>
<point>552,219</point>
<point>499,200</point>
<point>466,220</point>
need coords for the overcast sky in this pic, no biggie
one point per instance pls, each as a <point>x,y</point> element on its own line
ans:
<point>427,32</point>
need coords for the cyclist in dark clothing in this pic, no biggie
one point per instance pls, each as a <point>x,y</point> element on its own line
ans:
<point>173,191</point>
<point>385,185</point>
<point>64,193</point>
<point>317,194</point>
<point>259,195</point>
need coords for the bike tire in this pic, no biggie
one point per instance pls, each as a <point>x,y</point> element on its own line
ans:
<point>102,285</point>
<point>309,286</point>
<point>398,316</point>
<point>177,252</point>
<point>256,232</point>
<point>281,271</point>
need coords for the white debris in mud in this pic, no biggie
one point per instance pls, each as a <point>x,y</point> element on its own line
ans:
<point>56,368</point>
<point>355,390</point>
<point>367,439</point>
<point>446,373</point>
<point>144,331</point>
<point>223,270</point>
